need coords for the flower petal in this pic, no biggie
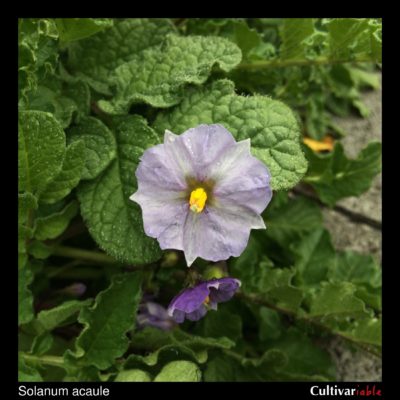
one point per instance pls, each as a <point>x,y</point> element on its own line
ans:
<point>242,179</point>
<point>197,314</point>
<point>164,214</point>
<point>189,299</point>
<point>226,289</point>
<point>178,316</point>
<point>158,169</point>
<point>219,232</point>
<point>199,147</point>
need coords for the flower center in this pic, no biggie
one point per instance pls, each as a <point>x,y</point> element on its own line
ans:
<point>198,199</point>
<point>206,300</point>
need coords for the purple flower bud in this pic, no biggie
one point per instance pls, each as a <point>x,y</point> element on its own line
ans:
<point>202,192</point>
<point>153,314</point>
<point>76,289</point>
<point>193,303</point>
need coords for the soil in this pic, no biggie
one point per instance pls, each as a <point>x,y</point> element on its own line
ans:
<point>347,235</point>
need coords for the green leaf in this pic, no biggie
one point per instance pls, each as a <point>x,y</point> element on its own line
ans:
<point>294,33</point>
<point>94,59</point>
<point>287,222</point>
<point>237,368</point>
<point>359,269</point>
<point>363,271</point>
<point>260,278</point>
<point>315,256</point>
<point>270,125</point>
<point>42,344</point>
<point>133,375</point>
<point>27,203</point>
<point>234,29</point>
<point>106,323</point>
<point>220,369</point>
<point>41,150</point>
<point>37,52</point>
<point>179,371</point>
<point>69,176</point>
<point>79,92</point>
<point>264,368</point>
<point>270,326</point>
<point>305,360</point>
<point>155,77</point>
<point>100,148</point>
<point>325,302</point>
<point>40,250</point>
<point>47,320</point>
<point>335,177</point>
<point>114,221</point>
<point>53,225</point>
<point>367,331</point>
<point>221,324</point>
<point>71,29</point>
<point>351,37</point>
<point>66,98</point>
<point>27,373</point>
<point>172,346</point>
<point>25,299</point>
<point>50,99</point>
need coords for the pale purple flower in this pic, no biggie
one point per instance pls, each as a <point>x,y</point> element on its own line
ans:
<point>202,192</point>
<point>193,303</point>
<point>155,315</point>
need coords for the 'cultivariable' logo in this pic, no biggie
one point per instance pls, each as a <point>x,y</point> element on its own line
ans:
<point>328,390</point>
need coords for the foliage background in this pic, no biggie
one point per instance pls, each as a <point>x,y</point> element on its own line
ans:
<point>93,94</point>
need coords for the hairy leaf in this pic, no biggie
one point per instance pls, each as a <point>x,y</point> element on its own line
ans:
<point>41,150</point>
<point>157,75</point>
<point>37,52</point>
<point>325,301</point>
<point>71,29</point>
<point>53,225</point>
<point>133,375</point>
<point>47,320</point>
<point>69,176</point>
<point>179,371</point>
<point>114,221</point>
<point>106,323</point>
<point>99,142</point>
<point>25,299</point>
<point>270,125</point>
<point>95,58</point>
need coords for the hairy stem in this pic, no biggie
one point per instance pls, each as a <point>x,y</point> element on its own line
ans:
<point>81,254</point>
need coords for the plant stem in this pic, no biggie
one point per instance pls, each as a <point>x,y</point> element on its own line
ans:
<point>352,215</point>
<point>81,254</point>
<point>257,300</point>
<point>298,63</point>
<point>55,361</point>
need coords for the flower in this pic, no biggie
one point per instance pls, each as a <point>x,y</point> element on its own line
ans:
<point>154,314</point>
<point>202,192</point>
<point>193,303</point>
